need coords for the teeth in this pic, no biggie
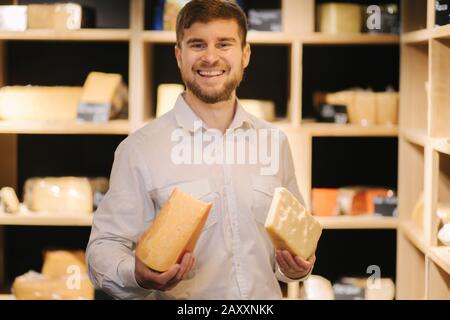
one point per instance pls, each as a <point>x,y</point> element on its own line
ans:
<point>210,73</point>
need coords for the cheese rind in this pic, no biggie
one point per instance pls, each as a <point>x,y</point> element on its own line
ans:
<point>57,263</point>
<point>290,226</point>
<point>175,231</point>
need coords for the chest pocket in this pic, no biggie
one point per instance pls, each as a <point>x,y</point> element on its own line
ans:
<point>262,190</point>
<point>199,189</point>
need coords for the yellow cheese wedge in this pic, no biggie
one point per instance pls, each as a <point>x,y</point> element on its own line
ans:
<point>290,226</point>
<point>105,88</point>
<point>175,231</point>
<point>58,263</point>
<point>9,200</point>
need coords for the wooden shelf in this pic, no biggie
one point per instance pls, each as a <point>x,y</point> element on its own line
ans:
<point>45,219</point>
<point>441,256</point>
<point>253,37</point>
<point>414,235</point>
<point>419,36</point>
<point>76,35</point>
<point>7,297</point>
<point>64,127</point>
<point>358,222</point>
<point>348,130</point>
<point>441,145</point>
<point>418,136</point>
<point>442,32</point>
<point>348,39</point>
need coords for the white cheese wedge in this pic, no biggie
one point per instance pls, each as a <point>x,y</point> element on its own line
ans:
<point>290,226</point>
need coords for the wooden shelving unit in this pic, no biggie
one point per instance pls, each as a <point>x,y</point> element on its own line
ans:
<point>423,270</point>
<point>418,47</point>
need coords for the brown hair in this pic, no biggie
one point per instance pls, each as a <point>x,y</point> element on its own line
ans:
<point>205,11</point>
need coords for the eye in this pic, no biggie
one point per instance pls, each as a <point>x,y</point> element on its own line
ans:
<point>197,45</point>
<point>224,45</point>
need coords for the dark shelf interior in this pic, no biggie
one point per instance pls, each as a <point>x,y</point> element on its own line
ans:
<point>331,68</point>
<point>51,63</point>
<point>354,161</point>
<point>348,253</point>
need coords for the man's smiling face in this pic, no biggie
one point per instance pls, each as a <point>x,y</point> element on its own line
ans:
<point>212,60</point>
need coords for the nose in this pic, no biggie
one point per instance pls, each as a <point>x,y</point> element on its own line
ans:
<point>210,55</point>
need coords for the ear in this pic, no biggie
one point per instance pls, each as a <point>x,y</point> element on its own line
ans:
<point>178,55</point>
<point>246,55</point>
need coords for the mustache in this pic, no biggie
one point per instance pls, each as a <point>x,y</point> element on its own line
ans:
<point>215,65</point>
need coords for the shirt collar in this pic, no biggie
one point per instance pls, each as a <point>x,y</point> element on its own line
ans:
<point>186,118</point>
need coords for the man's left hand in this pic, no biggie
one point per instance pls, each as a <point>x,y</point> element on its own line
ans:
<point>294,267</point>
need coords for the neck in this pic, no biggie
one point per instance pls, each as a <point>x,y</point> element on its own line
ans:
<point>216,116</point>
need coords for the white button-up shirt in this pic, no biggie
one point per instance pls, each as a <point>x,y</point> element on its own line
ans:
<point>234,255</point>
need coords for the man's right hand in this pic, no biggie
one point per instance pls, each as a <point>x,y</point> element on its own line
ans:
<point>164,281</point>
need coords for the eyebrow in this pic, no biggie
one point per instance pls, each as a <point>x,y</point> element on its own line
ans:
<point>197,40</point>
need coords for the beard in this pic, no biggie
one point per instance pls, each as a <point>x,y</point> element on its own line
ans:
<point>223,94</point>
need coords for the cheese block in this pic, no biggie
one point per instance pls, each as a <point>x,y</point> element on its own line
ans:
<point>175,231</point>
<point>39,103</point>
<point>324,202</point>
<point>105,88</point>
<point>444,234</point>
<point>339,18</point>
<point>13,18</point>
<point>60,16</point>
<point>59,195</point>
<point>9,200</point>
<point>387,108</point>
<point>167,96</point>
<point>358,200</point>
<point>58,263</point>
<point>36,286</point>
<point>290,226</point>
<point>443,212</point>
<point>263,109</point>
<point>317,288</point>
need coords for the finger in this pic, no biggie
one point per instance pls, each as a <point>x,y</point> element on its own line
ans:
<point>281,262</point>
<point>301,263</point>
<point>163,278</point>
<point>290,260</point>
<point>189,268</point>
<point>312,259</point>
<point>184,265</point>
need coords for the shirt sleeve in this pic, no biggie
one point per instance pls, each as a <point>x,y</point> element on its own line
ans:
<point>121,217</point>
<point>289,182</point>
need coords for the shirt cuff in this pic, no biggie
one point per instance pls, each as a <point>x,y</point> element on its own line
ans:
<point>126,273</point>
<point>281,277</point>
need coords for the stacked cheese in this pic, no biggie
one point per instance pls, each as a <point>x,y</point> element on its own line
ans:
<point>59,195</point>
<point>63,277</point>
<point>175,231</point>
<point>290,226</point>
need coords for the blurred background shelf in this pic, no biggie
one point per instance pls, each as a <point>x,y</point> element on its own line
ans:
<point>349,39</point>
<point>75,35</point>
<point>350,130</point>
<point>414,235</point>
<point>45,219</point>
<point>64,127</point>
<point>441,256</point>
<point>419,36</point>
<point>442,32</point>
<point>358,222</point>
